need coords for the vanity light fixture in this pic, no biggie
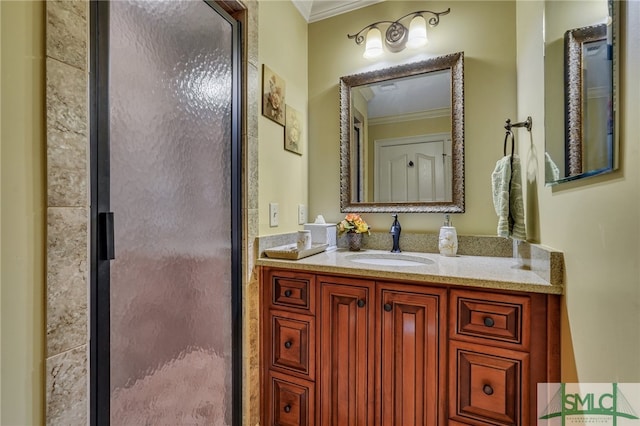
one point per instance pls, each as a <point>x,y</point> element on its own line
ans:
<point>388,87</point>
<point>397,36</point>
<point>373,46</point>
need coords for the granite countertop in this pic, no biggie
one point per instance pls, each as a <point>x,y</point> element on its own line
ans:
<point>500,273</point>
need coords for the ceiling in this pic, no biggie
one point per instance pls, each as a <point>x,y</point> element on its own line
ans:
<point>316,10</point>
<point>423,93</point>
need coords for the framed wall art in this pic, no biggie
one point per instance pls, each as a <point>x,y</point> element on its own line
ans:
<point>273,96</point>
<point>293,130</point>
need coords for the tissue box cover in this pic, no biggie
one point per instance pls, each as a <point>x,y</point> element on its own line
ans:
<point>323,233</point>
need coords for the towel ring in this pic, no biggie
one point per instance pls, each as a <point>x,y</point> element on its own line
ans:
<point>506,137</point>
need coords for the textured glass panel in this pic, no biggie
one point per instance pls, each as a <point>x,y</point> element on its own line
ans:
<point>170,100</point>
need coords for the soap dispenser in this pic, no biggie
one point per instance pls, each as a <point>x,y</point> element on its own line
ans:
<point>448,240</point>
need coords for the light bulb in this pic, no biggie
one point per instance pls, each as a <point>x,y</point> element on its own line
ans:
<point>417,32</point>
<point>373,45</point>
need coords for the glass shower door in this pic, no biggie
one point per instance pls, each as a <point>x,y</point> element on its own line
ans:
<point>170,96</point>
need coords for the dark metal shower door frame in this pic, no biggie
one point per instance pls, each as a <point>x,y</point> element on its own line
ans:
<point>101,235</point>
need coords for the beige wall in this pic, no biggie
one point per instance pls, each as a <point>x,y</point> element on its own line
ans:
<point>22,210</point>
<point>490,98</point>
<point>282,174</point>
<point>595,221</point>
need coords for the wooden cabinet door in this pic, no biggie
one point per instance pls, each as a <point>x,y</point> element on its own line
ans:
<point>412,356</point>
<point>346,352</point>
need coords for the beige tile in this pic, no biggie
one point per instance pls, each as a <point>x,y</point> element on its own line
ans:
<point>251,354</point>
<point>252,174</point>
<point>253,98</point>
<point>66,381</point>
<point>249,240</point>
<point>556,268</point>
<point>470,245</point>
<point>66,178</point>
<point>251,157</point>
<point>67,32</point>
<point>67,136</point>
<point>492,246</point>
<point>269,241</point>
<point>547,263</point>
<point>253,218</point>
<point>66,278</point>
<point>252,32</point>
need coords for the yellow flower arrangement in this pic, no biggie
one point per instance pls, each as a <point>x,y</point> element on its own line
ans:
<point>353,223</point>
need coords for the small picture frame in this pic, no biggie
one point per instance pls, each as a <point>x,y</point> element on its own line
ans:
<point>273,96</point>
<point>293,130</point>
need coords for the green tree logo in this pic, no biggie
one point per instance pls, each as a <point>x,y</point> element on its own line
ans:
<point>566,404</point>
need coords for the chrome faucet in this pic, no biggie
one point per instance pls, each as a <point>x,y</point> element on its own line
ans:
<point>395,233</point>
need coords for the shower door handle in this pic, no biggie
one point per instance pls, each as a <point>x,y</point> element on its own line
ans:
<point>105,229</point>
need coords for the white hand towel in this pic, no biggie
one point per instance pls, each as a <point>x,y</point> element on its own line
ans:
<point>500,183</point>
<point>516,201</point>
<point>506,182</point>
<point>551,171</point>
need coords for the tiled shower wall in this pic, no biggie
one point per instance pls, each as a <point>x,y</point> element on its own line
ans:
<point>67,212</point>
<point>67,74</point>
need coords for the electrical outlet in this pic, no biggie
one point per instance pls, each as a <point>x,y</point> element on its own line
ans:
<point>302,214</point>
<point>274,214</point>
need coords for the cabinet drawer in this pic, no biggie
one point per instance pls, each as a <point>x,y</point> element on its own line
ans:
<point>503,319</point>
<point>490,386</point>
<point>290,289</point>
<point>293,343</point>
<point>289,403</point>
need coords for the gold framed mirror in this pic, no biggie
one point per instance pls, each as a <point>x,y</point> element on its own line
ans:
<point>402,138</point>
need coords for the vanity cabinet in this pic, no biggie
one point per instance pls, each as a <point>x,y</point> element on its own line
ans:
<point>339,350</point>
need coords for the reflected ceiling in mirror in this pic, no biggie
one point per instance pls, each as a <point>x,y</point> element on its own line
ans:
<point>402,138</point>
<point>580,83</point>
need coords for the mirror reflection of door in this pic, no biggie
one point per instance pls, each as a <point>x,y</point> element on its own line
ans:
<point>597,92</point>
<point>413,169</point>
<point>358,155</point>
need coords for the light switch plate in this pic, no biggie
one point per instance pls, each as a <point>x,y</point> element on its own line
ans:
<point>302,214</point>
<point>274,214</point>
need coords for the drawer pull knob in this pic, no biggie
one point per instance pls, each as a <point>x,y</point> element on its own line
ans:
<point>387,307</point>
<point>489,322</point>
<point>287,344</point>
<point>287,408</point>
<point>287,293</point>
<point>361,303</point>
<point>488,390</point>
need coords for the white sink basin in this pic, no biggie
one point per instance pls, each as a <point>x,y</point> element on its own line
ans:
<point>389,259</point>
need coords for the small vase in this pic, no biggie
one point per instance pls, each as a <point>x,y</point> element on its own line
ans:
<point>448,241</point>
<point>354,241</point>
